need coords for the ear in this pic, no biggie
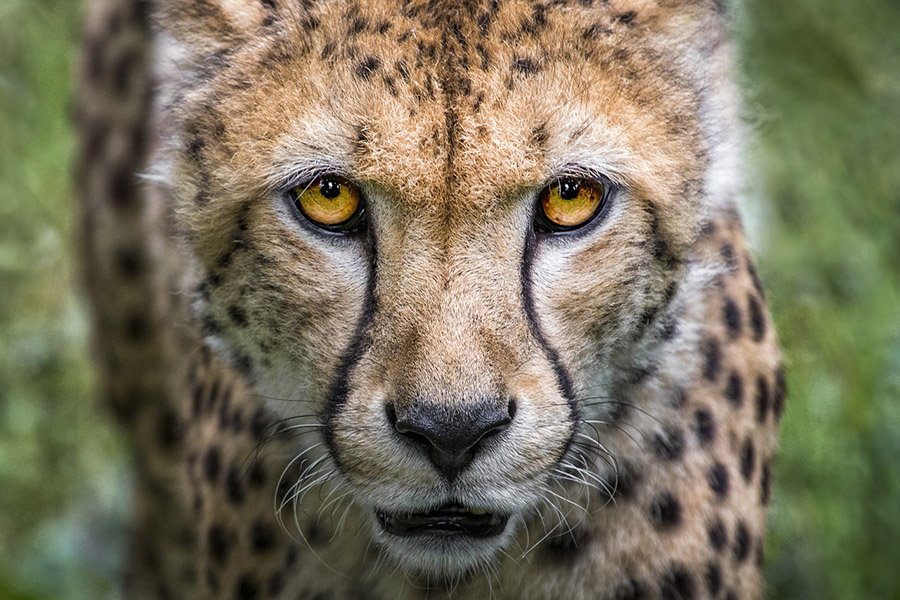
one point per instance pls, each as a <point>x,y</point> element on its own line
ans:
<point>202,27</point>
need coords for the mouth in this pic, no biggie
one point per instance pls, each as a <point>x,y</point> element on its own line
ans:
<point>448,520</point>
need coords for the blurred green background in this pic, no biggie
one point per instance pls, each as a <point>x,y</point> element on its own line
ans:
<point>822,83</point>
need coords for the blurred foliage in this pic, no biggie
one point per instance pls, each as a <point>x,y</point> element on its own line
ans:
<point>822,81</point>
<point>62,496</point>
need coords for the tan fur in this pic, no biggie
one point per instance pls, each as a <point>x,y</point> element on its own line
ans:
<point>644,366</point>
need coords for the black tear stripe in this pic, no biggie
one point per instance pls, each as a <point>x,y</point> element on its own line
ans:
<point>354,351</point>
<point>563,379</point>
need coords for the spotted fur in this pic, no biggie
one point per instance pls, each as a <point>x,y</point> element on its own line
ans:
<point>256,363</point>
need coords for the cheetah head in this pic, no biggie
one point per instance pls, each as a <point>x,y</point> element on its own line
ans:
<point>440,241</point>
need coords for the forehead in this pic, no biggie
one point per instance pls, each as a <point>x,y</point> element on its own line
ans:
<point>419,94</point>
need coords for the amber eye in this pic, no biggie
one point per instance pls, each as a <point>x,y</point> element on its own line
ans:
<point>331,202</point>
<point>568,204</point>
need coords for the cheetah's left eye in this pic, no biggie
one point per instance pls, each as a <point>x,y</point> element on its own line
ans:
<point>569,203</point>
<point>330,202</point>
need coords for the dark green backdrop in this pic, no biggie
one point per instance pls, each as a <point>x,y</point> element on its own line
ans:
<point>822,83</point>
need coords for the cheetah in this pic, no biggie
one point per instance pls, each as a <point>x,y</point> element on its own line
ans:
<point>427,299</point>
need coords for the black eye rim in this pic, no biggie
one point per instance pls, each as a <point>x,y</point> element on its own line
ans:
<point>546,227</point>
<point>353,226</point>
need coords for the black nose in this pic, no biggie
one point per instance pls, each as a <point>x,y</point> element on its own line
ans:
<point>451,438</point>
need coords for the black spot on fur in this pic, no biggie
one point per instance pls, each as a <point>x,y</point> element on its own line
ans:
<point>310,23</point>
<point>760,557</point>
<point>357,26</point>
<point>727,254</point>
<point>666,511</point>
<point>130,262</point>
<point>630,590</point>
<point>237,315</point>
<point>138,139</point>
<point>765,483</point>
<point>171,430</point>
<point>137,328</point>
<point>712,355</point>
<point>390,85</point>
<point>483,56</point>
<point>718,480</point>
<point>291,557</point>
<point>125,405</point>
<point>234,489</point>
<point>276,584</point>
<point>328,50</point>
<point>704,426</point>
<point>212,464</point>
<point>257,475</point>
<point>731,315</point>
<point>677,584</point>
<point>237,420</point>
<point>718,535</point>
<point>315,534</point>
<point>679,398</point>
<point>262,538</point>
<point>626,481</point>
<point>367,67</point>
<point>244,364</point>
<point>741,542</point>
<point>125,65</point>
<point>569,545</point>
<point>626,18</point>
<point>212,397</point>
<point>212,580</point>
<point>218,544</point>
<point>538,21</point>
<point>525,65</point>
<point>210,326</point>
<point>225,410</point>
<point>754,276</point>
<point>539,135</point>
<point>779,393</point>
<point>403,70</point>
<point>669,328</point>
<point>476,106</point>
<point>259,423</point>
<point>757,318</point>
<point>713,579</point>
<point>669,444</point>
<point>748,459</point>
<point>595,31</point>
<point>734,390</point>
<point>247,588</point>
<point>203,291</point>
<point>763,399</point>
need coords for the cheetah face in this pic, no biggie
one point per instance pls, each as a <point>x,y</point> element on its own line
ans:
<point>438,242</point>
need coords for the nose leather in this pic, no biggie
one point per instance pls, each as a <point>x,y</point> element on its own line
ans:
<point>451,439</point>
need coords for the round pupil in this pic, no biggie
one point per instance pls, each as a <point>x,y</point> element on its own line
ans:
<point>568,189</point>
<point>330,188</point>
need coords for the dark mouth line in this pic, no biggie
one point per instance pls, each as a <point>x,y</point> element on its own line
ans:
<point>450,519</point>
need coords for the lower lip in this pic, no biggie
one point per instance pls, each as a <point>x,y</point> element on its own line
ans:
<point>443,525</point>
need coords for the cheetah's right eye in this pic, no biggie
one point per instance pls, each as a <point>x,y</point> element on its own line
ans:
<point>330,202</point>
